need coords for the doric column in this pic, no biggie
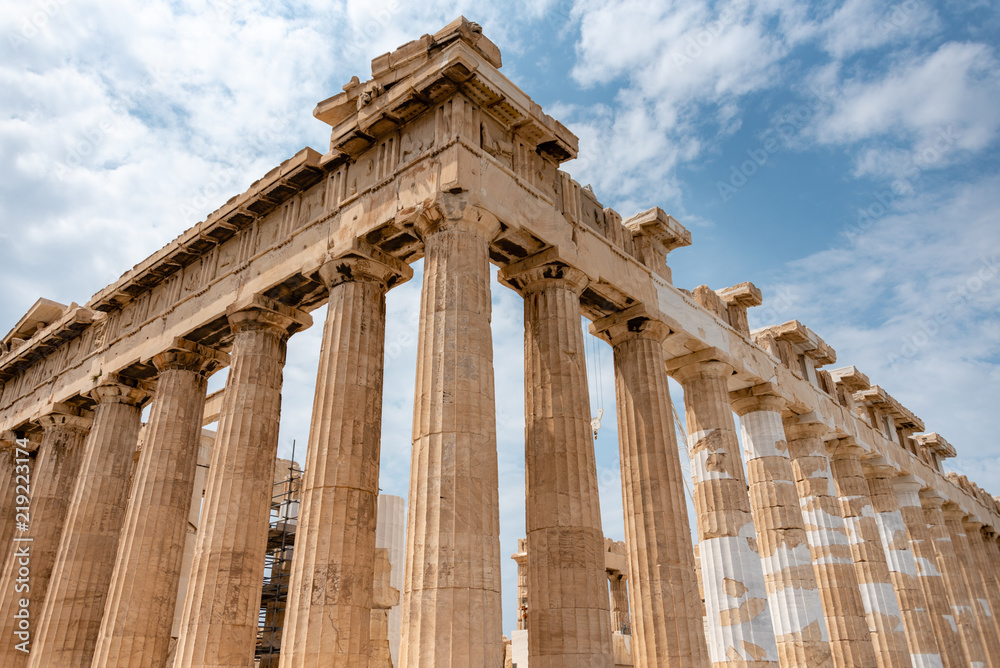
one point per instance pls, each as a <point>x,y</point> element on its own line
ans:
<point>796,607</point>
<point>885,621</point>
<point>924,652</point>
<point>826,532</point>
<point>952,555</point>
<point>521,558</point>
<point>988,565</point>
<point>219,623</point>
<point>451,592</point>
<point>330,596</point>
<point>620,620</point>
<point>928,575</point>
<point>986,594</point>
<point>135,630</point>
<point>667,625</point>
<point>69,624</point>
<point>53,479</point>
<point>9,470</point>
<point>567,584</point>
<point>739,623</point>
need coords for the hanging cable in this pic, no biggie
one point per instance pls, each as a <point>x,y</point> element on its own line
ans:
<point>683,453</point>
<point>590,354</point>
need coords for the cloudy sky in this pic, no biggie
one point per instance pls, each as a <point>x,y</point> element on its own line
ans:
<point>841,155</point>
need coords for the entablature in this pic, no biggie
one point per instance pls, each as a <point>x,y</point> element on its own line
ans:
<point>47,335</point>
<point>799,348</point>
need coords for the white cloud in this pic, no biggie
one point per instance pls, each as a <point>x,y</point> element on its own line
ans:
<point>913,300</point>
<point>860,25</point>
<point>941,102</point>
<point>687,66</point>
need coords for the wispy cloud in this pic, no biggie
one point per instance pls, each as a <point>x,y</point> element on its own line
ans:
<point>914,302</point>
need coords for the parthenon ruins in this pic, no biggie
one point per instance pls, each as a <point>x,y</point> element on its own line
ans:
<point>834,539</point>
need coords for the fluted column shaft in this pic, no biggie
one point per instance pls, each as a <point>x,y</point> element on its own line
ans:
<point>983,547</point>
<point>667,624</point>
<point>953,563</point>
<point>833,562</point>
<point>885,621</point>
<point>983,588</point>
<point>219,623</point>
<point>53,478</point>
<point>138,614</point>
<point>988,563</point>
<point>567,582</point>
<point>8,488</point>
<point>739,622</point>
<point>451,591</point>
<point>71,619</point>
<point>924,652</point>
<point>989,559</point>
<point>794,597</point>
<point>986,555</point>
<point>620,620</point>
<point>330,596</point>
<point>522,584</point>
<point>928,575</point>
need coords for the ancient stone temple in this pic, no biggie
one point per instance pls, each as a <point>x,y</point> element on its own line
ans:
<point>827,531</point>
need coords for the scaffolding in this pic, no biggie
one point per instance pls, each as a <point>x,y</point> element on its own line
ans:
<point>278,565</point>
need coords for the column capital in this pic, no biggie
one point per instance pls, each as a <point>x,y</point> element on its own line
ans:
<point>8,440</point>
<point>989,533</point>
<point>708,363</point>
<point>797,429</point>
<point>449,211</point>
<point>359,261</point>
<point>931,500</point>
<point>845,448</point>
<point>972,525</point>
<point>635,322</point>
<point>755,399</point>
<point>260,312</point>
<point>953,512</point>
<point>876,466</point>
<point>113,389</point>
<point>58,415</point>
<point>541,270</point>
<point>190,356</point>
<point>907,484</point>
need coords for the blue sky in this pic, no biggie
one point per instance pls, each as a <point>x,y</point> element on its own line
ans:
<point>843,156</point>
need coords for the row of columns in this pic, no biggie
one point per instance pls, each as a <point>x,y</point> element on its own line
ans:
<point>842,562</point>
<point>808,557</point>
<point>113,547</point>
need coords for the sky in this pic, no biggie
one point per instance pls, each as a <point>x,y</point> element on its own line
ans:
<point>843,156</point>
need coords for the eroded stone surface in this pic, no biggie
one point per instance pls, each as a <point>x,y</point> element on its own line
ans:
<point>442,157</point>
